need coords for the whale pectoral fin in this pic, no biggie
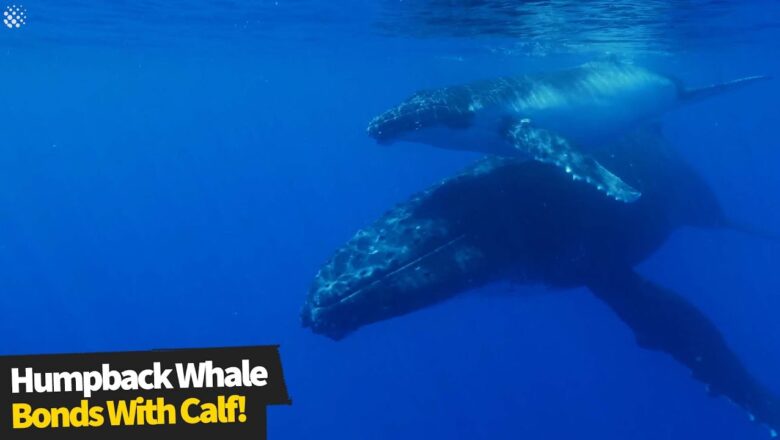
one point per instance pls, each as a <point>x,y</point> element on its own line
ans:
<point>548,147</point>
<point>664,321</point>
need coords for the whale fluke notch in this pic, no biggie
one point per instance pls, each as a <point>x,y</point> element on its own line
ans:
<point>664,321</point>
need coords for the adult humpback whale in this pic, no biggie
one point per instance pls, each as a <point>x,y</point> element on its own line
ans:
<point>558,117</point>
<point>505,218</point>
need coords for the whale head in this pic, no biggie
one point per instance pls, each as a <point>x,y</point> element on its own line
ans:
<point>425,112</point>
<point>419,253</point>
<point>399,264</point>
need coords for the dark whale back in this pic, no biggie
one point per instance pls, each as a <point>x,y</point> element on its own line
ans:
<point>556,229</point>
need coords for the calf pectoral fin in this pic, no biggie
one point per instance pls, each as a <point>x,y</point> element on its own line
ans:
<point>548,147</point>
<point>664,321</point>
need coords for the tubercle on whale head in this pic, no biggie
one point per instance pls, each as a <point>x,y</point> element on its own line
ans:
<point>310,319</point>
<point>447,108</point>
<point>397,122</point>
<point>379,130</point>
<point>398,265</point>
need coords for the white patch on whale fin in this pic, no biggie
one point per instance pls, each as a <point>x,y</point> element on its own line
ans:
<point>547,147</point>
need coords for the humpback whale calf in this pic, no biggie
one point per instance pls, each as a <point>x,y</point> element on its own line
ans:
<point>559,117</point>
<point>511,219</point>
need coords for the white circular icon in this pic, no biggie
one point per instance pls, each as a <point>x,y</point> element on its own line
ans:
<point>14,16</point>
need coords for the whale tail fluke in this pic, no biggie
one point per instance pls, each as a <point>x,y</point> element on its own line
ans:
<point>697,94</point>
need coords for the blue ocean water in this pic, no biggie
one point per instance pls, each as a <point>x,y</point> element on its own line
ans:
<point>173,174</point>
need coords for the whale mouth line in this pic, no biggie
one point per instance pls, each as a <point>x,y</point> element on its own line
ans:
<point>340,317</point>
<point>354,293</point>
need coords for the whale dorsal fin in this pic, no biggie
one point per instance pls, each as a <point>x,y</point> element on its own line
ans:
<point>697,94</point>
<point>548,147</point>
